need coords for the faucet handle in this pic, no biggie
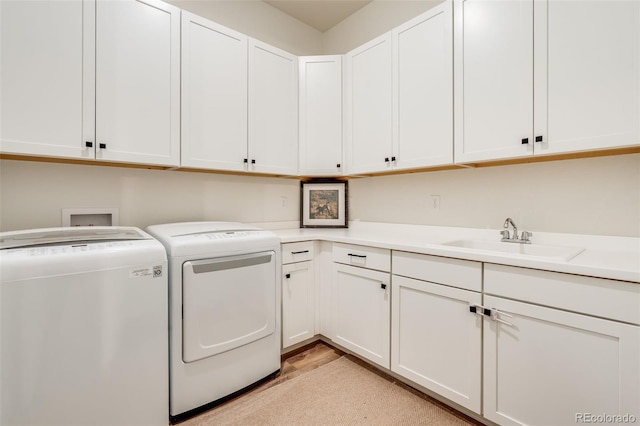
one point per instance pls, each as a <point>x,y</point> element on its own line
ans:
<point>505,235</point>
<point>526,235</point>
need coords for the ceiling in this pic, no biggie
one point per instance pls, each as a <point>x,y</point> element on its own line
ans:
<point>319,14</point>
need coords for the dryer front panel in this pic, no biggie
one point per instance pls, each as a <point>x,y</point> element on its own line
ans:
<point>227,302</point>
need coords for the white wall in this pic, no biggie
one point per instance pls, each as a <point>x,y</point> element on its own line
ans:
<point>583,196</point>
<point>374,19</point>
<point>33,194</point>
<point>259,20</point>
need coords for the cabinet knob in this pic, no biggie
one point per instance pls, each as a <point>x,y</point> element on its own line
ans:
<point>383,286</point>
<point>287,276</point>
<point>538,138</point>
<point>386,159</point>
<point>338,165</point>
<point>88,144</point>
<point>102,145</point>
<point>253,161</point>
<point>525,141</point>
<point>393,158</point>
<point>246,160</point>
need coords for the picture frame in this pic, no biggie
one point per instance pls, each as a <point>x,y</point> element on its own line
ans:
<point>323,204</point>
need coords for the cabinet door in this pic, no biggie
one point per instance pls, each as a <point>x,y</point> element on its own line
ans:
<point>494,79</point>
<point>298,316</point>
<point>273,110</point>
<point>362,315</point>
<point>587,79</point>
<point>138,82</point>
<point>214,95</point>
<point>47,79</point>
<point>320,115</point>
<point>436,341</point>
<point>423,92</point>
<point>368,106</point>
<point>550,367</point>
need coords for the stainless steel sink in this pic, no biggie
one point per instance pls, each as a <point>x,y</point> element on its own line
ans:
<point>529,250</point>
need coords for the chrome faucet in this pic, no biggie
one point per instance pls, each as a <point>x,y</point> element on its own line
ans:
<point>508,222</point>
<point>515,239</point>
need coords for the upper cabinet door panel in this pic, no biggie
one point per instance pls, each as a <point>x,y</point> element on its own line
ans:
<point>214,95</point>
<point>369,106</point>
<point>423,96</point>
<point>320,115</point>
<point>42,60</point>
<point>138,81</point>
<point>494,79</point>
<point>587,75</point>
<point>273,109</point>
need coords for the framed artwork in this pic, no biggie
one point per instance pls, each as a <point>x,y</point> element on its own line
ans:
<point>323,204</point>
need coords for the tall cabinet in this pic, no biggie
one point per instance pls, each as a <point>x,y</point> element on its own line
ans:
<point>528,86</point>
<point>91,80</point>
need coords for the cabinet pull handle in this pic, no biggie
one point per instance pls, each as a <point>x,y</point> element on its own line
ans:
<point>253,161</point>
<point>525,141</point>
<point>393,158</point>
<point>492,313</point>
<point>386,159</point>
<point>287,276</point>
<point>338,165</point>
<point>246,160</point>
<point>383,286</point>
<point>88,144</point>
<point>361,256</point>
<point>538,138</point>
<point>102,145</point>
<point>300,252</point>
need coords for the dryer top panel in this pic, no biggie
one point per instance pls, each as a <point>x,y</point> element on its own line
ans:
<point>63,236</point>
<point>210,238</point>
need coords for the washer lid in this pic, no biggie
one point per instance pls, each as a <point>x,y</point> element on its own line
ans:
<point>56,236</point>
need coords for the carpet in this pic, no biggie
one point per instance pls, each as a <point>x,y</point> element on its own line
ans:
<point>338,393</point>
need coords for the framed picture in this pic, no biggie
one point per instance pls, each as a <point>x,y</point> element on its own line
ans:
<point>323,204</point>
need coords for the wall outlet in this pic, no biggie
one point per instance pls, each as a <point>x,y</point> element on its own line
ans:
<point>435,202</point>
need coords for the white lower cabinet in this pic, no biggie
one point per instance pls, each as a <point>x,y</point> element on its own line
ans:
<point>546,366</point>
<point>298,290</point>
<point>362,312</point>
<point>435,341</point>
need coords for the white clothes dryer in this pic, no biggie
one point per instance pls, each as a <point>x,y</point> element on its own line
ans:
<point>84,327</point>
<point>224,297</point>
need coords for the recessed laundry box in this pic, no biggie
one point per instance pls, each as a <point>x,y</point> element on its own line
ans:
<point>224,290</point>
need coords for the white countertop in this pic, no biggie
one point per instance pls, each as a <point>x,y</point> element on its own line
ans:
<point>615,258</point>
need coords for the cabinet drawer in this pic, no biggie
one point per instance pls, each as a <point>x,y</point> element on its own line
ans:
<point>464,274</point>
<point>598,297</point>
<point>297,252</point>
<point>366,257</point>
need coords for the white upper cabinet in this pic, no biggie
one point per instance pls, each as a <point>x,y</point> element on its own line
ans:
<point>587,75</point>
<point>138,82</point>
<point>90,79</point>
<point>320,115</point>
<point>545,77</point>
<point>46,83</point>
<point>399,96</point>
<point>423,89</point>
<point>494,79</point>
<point>368,105</point>
<point>273,110</point>
<point>214,95</point>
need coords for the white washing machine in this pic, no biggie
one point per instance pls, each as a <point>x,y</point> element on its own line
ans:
<point>84,334</point>
<point>224,320</point>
